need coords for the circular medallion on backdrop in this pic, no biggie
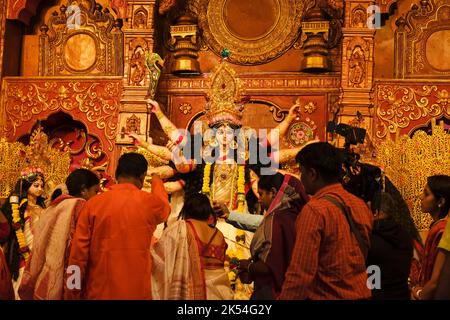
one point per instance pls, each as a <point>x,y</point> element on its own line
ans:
<point>80,52</point>
<point>437,53</point>
<point>300,133</point>
<point>237,13</point>
<point>255,31</point>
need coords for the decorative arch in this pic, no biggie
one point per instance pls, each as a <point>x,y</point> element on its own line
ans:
<point>65,131</point>
<point>22,10</point>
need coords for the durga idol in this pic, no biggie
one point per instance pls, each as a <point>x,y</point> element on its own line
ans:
<point>223,171</point>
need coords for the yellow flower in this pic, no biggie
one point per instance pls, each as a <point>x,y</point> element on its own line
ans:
<point>231,276</point>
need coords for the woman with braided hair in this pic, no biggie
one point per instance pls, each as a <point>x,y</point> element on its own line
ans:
<point>23,209</point>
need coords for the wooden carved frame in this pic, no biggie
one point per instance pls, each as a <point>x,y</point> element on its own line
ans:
<point>86,22</point>
<point>411,37</point>
<point>251,51</point>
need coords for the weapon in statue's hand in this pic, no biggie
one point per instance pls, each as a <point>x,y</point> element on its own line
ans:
<point>154,63</point>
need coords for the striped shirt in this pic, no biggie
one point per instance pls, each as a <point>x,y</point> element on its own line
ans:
<point>327,262</point>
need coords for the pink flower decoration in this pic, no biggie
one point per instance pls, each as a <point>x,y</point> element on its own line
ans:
<point>300,134</point>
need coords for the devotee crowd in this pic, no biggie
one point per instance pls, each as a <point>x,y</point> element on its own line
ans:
<point>317,237</point>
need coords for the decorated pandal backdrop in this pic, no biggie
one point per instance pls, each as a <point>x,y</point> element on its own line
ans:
<point>80,71</point>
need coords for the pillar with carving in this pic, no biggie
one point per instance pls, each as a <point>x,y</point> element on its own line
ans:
<point>357,61</point>
<point>139,34</point>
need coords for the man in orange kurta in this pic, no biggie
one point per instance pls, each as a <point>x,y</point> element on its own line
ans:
<point>111,245</point>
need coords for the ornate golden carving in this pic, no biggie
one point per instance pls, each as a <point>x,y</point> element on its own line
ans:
<point>359,17</point>
<point>81,25</point>
<point>185,108</point>
<point>224,95</point>
<point>166,5</point>
<point>98,100</point>
<point>398,105</point>
<point>15,156</point>
<point>315,27</point>
<point>184,41</point>
<point>420,41</point>
<point>258,83</point>
<point>409,161</point>
<point>140,18</point>
<point>138,48</point>
<point>277,114</point>
<point>310,107</point>
<point>133,124</point>
<point>250,49</point>
<point>357,68</point>
<point>358,61</point>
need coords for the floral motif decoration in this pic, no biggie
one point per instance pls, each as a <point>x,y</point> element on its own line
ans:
<point>398,106</point>
<point>185,108</point>
<point>98,100</point>
<point>301,132</point>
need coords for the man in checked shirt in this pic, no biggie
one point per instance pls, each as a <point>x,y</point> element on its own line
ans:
<point>327,260</point>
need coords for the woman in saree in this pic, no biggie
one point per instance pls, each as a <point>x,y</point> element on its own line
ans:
<point>6,288</point>
<point>23,209</point>
<point>45,275</point>
<point>188,259</point>
<point>436,201</point>
<point>283,197</point>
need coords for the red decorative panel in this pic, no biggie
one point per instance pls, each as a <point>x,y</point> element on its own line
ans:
<point>22,10</point>
<point>95,103</point>
<point>402,106</point>
<point>120,7</point>
<point>385,5</point>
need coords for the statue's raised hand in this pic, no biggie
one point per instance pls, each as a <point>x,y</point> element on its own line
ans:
<point>295,111</point>
<point>153,106</point>
<point>136,139</point>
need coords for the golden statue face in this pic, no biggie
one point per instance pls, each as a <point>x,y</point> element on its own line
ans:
<point>37,188</point>
<point>225,135</point>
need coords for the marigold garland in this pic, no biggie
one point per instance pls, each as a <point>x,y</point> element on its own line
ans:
<point>241,189</point>
<point>24,250</point>
<point>206,179</point>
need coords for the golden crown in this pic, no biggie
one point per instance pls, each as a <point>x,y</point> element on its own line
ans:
<point>225,96</point>
<point>20,161</point>
<point>409,161</point>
